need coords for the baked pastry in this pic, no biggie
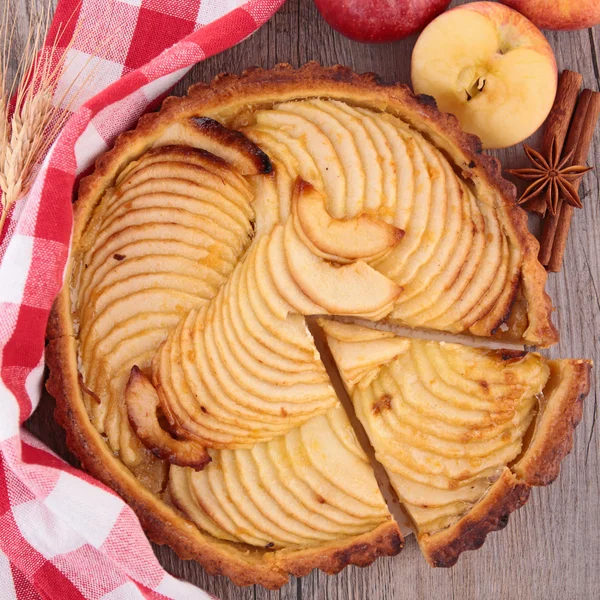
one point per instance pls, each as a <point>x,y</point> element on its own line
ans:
<point>183,368</point>
<point>458,429</point>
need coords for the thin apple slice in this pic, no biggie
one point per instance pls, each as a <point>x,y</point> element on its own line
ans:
<point>229,349</point>
<point>400,205</point>
<point>220,425</point>
<point>268,336</point>
<point>290,151</point>
<point>344,147</point>
<point>190,416</point>
<point>285,167</point>
<point>489,267</point>
<point>268,291</point>
<point>242,214</point>
<point>101,298</point>
<point>184,500</point>
<point>352,289</point>
<point>338,487</point>
<point>147,241</point>
<point>254,514</point>
<point>282,278</point>
<point>281,401</point>
<point>292,333</point>
<point>370,161</point>
<point>291,515</point>
<point>454,259</point>
<point>196,207</point>
<point>275,468</point>
<point>142,403</point>
<point>427,314</point>
<point>361,349</point>
<point>194,156</point>
<point>387,189</point>
<point>352,238</point>
<point>253,339</point>
<point>139,324</point>
<point>152,264</point>
<point>287,383</point>
<point>208,134</point>
<point>443,237</point>
<point>230,243</point>
<point>193,173</point>
<point>194,407</point>
<point>321,150</point>
<point>156,300</point>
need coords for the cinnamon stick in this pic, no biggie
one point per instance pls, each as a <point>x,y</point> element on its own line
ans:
<point>557,125</point>
<point>579,139</point>
<point>550,222</point>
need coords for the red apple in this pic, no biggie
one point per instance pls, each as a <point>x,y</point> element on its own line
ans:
<point>379,20</point>
<point>559,14</point>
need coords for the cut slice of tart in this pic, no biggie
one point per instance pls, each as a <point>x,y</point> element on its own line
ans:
<point>463,432</point>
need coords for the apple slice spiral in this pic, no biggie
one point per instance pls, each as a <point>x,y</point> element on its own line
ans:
<point>374,163</point>
<point>310,486</point>
<point>243,368</point>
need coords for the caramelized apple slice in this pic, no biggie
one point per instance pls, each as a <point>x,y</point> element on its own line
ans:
<point>360,237</point>
<point>208,134</point>
<point>142,402</point>
<point>191,156</point>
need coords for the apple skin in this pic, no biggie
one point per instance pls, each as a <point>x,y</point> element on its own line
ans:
<point>559,14</point>
<point>379,20</point>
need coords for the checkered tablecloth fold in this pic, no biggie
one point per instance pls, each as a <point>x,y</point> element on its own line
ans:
<point>63,535</point>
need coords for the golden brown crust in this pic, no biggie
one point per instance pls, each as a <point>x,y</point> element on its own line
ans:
<point>553,436</point>
<point>385,540</point>
<point>224,98</point>
<point>506,495</point>
<point>550,441</point>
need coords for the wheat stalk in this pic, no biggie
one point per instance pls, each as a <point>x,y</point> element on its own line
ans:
<point>37,117</point>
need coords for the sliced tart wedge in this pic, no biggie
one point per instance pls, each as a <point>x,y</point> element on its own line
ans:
<point>463,432</point>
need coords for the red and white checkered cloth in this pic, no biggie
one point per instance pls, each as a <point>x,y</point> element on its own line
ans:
<point>64,535</point>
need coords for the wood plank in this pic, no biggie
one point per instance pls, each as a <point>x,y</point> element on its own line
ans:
<point>549,550</point>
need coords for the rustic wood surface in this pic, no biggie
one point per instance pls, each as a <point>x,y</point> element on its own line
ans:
<point>550,549</point>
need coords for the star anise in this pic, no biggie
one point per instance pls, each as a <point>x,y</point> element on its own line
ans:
<point>551,177</point>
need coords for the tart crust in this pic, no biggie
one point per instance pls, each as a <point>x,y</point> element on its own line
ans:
<point>223,99</point>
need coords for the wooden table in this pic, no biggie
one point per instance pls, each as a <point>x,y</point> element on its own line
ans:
<point>550,549</point>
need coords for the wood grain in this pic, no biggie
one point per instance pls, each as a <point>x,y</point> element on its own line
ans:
<point>550,550</point>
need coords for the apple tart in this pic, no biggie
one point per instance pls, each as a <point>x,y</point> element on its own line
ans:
<point>186,376</point>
